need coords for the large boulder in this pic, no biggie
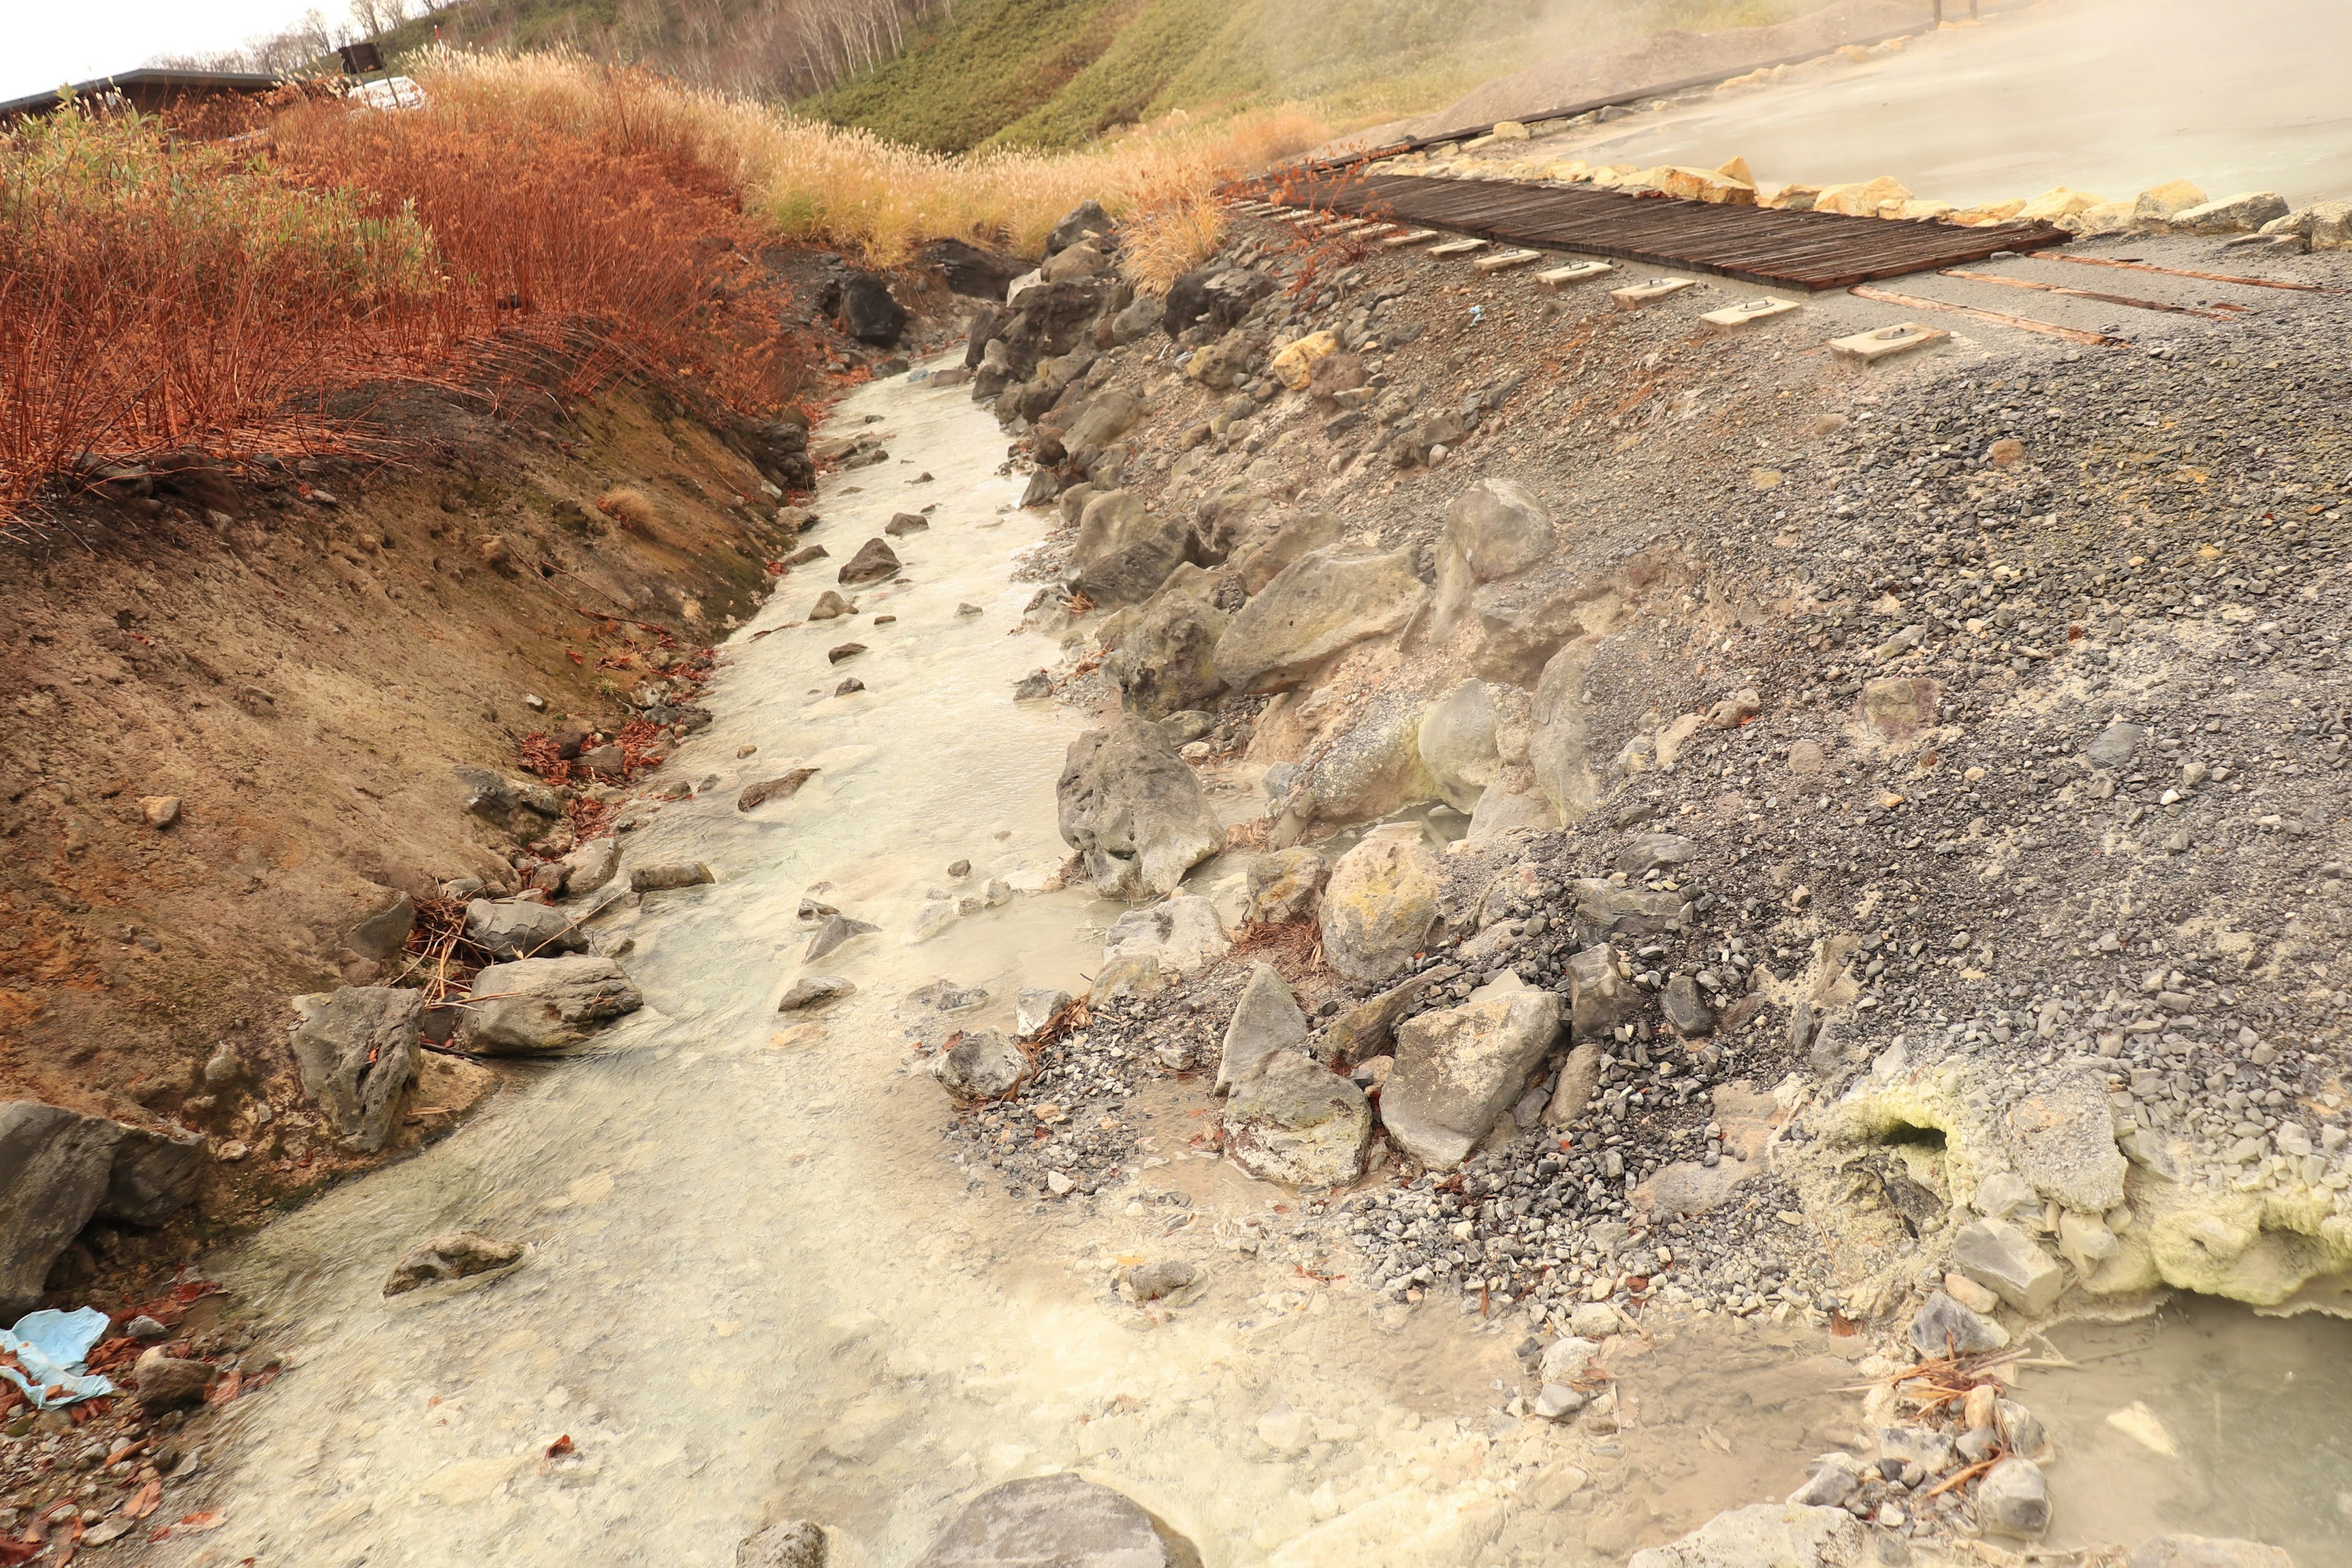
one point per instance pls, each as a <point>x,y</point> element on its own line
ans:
<point>1167,662</point>
<point>1129,805</point>
<point>1457,744</point>
<point>869,314</point>
<point>2231,214</point>
<point>1459,1068</point>
<point>1053,1521</point>
<point>1266,1022</point>
<point>357,1049</point>
<point>60,1169</point>
<point>1367,768</point>
<point>515,928</point>
<point>1285,885</point>
<point>1380,903</point>
<point>1049,320</point>
<point>1269,551</point>
<point>969,270</point>
<point>1766,1535</point>
<point>1125,551</point>
<point>1215,296</point>
<point>1295,1121</point>
<point>1086,221</point>
<point>1497,528</point>
<point>545,1004</point>
<point>1319,605</point>
<point>1105,420</point>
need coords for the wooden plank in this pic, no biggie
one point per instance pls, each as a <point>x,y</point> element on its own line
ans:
<point>1506,260</point>
<point>1886,342</point>
<point>2041,287</point>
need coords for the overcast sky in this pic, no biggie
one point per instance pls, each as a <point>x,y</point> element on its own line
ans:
<point>49,42</point>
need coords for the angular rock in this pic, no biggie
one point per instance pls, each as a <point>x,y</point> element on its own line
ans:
<point>533,1004</point>
<point>1167,663</point>
<point>1140,318</point>
<point>1106,419</point>
<point>1295,1122</point>
<point>1321,604</point>
<point>830,607</point>
<point>1654,851</point>
<point>384,932</point>
<point>1942,1327</point>
<point>837,928</point>
<point>1035,1007</point>
<point>2232,214</point>
<point>1368,1028</point>
<point>1834,1480</point>
<point>1766,1535</point>
<point>1460,1069</point>
<point>1053,1521</point>
<point>983,1065</point>
<point>591,866</point>
<point>1085,220</point>
<point>165,1381</point>
<point>2065,1144</point>
<point>452,1255</point>
<point>1600,996</point>
<point>510,928</point>
<point>1498,528</point>
<point>1260,561</point>
<point>2002,1259</point>
<point>795,1544</point>
<point>1457,744</point>
<point>1157,1282</point>
<point>1634,911</point>
<point>154,1175</point>
<point>2013,1500</point>
<point>874,561</point>
<point>1126,979</point>
<point>1579,1075</point>
<point>1125,551</point>
<point>357,1050</point>
<point>54,1168</point>
<point>868,313</point>
<point>814,991</point>
<point>1381,902</point>
<point>1685,1010</point>
<point>1265,1020</point>
<point>1182,934</point>
<point>1130,806</point>
<point>1285,885</point>
<point>2114,746</point>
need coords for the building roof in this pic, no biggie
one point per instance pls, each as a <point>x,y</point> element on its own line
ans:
<point>146,90</point>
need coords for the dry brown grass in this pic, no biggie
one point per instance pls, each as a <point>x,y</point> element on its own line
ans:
<point>630,508</point>
<point>1160,244</point>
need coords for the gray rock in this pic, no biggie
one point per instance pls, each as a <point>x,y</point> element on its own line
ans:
<point>153,1176</point>
<point>1035,1007</point>
<point>907,522</point>
<point>512,928</point>
<point>1265,1020</point>
<point>1130,806</point>
<point>795,1544</point>
<point>591,866</point>
<point>1300,534</point>
<point>452,1255</point>
<point>1155,1281</point>
<point>2065,1142</point>
<point>814,991</point>
<point>2013,1499</point>
<point>1557,1402</point>
<point>1367,1029</point>
<point>1106,419</point>
<point>1124,551</point>
<point>1579,1075</point>
<point>1568,1358</point>
<point>1834,1480</point>
<point>2114,745</point>
<point>1457,744</point>
<point>1167,661</point>
<point>1633,912</point>
<point>2002,1259</point>
<point>54,1168</point>
<point>1459,1068</point>
<point>1181,935</point>
<point>1686,1012</point>
<point>874,561</point>
<point>1285,885</point>
<point>1651,851</point>
<point>2231,214</point>
<point>783,787</point>
<point>1944,1328</point>
<point>1037,683</point>
<point>983,1065</point>
<point>384,932</point>
<point>1051,1521</point>
<point>666,878</point>
<point>2204,1551</point>
<point>1599,997</point>
<point>1085,221</point>
<point>1766,1535</point>
<point>1297,1122</point>
<point>1498,528</point>
<point>488,795</point>
<point>830,607</point>
<point>837,928</point>
<point>1381,902</point>
<point>1321,604</point>
<point>1189,725</point>
<point>1138,320</point>
<point>166,1382</point>
<point>533,1005</point>
<point>357,1049</point>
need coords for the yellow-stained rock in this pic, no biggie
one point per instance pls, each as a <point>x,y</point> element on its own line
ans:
<point>2059,201</point>
<point>1703,186</point>
<point>1863,200</point>
<point>1794,198</point>
<point>1922,208</point>
<point>1380,903</point>
<point>2158,203</point>
<point>1293,365</point>
<point>1737,169</point>
<point>1987,213</point>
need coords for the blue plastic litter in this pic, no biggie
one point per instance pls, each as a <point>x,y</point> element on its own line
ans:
<point>52,1346</point>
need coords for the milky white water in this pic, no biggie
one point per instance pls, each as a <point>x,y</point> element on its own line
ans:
<point>762,1286</point>
<point>2107,96</point>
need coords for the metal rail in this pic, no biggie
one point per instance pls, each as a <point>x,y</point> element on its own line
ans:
<point>1806,250</point>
